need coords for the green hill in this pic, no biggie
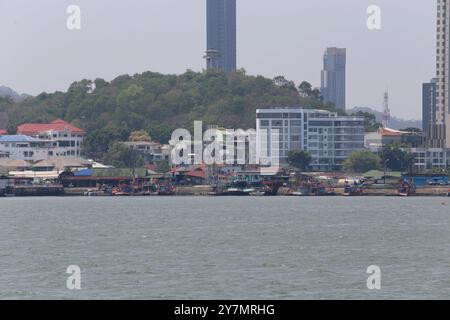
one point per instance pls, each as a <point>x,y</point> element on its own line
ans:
<point>157,103</point>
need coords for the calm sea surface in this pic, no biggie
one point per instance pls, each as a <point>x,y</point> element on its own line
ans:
<point>224,248</point>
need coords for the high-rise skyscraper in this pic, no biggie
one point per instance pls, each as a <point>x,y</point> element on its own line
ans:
<point>439,131</point>
<point>333,76</point>
<point>221,35</point>
<point>428,105</point>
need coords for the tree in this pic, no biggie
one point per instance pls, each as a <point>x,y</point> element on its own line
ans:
<point>397,159</point>
<point>284,83</point>
<point>121,156</point>
<point>139,136</point>
<point>299,159</point>
<point>362,161</point>
<point>306,91</point>
<point>110,110</point>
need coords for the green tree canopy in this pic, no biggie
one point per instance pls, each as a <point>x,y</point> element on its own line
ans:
<point>362,161</point>
<point>121,156</point>
<point>139,136</point>
<point>299,159</point>
<point>110,111</point>
<point>396,159</point>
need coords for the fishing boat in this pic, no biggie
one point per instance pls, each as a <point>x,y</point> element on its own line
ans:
<point>165,190</point>
<point>407,189</point>
<point>9,195</point>
<point>353,190</point>
<point>98,193</point>
<point>258,193</point>
<point>238,188</point>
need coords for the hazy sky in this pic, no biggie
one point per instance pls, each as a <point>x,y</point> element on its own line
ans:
<point>275,37</point>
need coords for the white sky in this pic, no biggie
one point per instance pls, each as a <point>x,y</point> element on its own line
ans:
<point>283,37</point>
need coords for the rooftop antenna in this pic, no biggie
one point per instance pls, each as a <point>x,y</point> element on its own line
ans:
<point>386,110</point>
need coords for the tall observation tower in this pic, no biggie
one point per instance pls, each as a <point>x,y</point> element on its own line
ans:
<point>221,35</point>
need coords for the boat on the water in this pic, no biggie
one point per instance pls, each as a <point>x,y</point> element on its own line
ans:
<point>407,189</point>
<point>236,188</point>
<point>353,190</point>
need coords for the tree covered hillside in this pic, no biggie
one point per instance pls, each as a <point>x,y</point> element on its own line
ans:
<point>157,103</point>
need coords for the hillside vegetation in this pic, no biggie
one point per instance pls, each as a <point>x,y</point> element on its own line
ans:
<point>157,103</point>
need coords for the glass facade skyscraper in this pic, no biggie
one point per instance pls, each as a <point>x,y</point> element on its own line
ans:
<point>334,76</point>
<point>221,35</point>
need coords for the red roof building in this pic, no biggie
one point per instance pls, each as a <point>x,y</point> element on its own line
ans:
<point>31,129</point>
<point>66,139</point>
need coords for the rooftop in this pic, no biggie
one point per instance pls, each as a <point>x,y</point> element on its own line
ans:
<point>57,125</point>
<point>19,138</point>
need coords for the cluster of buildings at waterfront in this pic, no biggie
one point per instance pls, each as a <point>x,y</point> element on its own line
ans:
<point>328,137</point>
<point>34,142</point>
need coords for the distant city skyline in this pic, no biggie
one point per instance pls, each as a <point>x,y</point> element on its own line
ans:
<point>287,38</point>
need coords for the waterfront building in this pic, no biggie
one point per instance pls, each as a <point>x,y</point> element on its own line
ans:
<point>439,130</point>
<point>374,141</point>
<point>151,152</point>
<point>428,105</point>
<point>65,138</point>
<point>21,147</point>
<point>428,159</point>
<point>329,138</point>
<point>221,35</point>
<point>334,76</point>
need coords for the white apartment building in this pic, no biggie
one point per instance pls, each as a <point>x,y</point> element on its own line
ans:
<point>329,138</point>
<point>35,142</point>
<point>427,159</point>
<point>21,147</point>
<point>66,139</point>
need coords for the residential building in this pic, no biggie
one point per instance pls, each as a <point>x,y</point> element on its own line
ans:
<point>428,105</point>
<point>439,132</point>
<point>221,35</point>
<point>428,159</point>
<point>21,147</point>
<point>150,151</point>
<point>67,140</point>
<point>334,76</point>
<point>329,138</point>
<point>374,141</point>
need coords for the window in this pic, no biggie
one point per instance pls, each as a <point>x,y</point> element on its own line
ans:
<point>277,123</point>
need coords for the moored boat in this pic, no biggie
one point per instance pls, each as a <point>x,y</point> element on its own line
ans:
<point>407,189</point>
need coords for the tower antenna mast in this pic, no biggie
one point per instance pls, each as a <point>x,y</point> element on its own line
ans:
<point>386,110</point>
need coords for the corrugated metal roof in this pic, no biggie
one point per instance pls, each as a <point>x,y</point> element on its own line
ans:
<point>19,138</point>
<point>118,172</point>
<point>83,173</point>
